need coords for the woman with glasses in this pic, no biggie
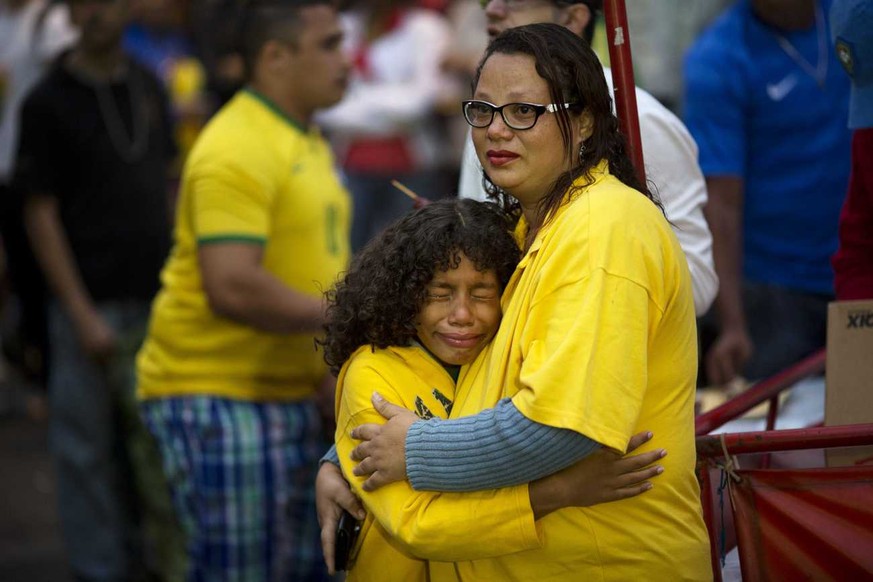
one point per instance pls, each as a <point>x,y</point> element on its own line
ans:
<point>418,303</point>
<point>597,340</point>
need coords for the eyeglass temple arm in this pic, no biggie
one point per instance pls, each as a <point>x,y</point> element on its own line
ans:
<point>621,62</point>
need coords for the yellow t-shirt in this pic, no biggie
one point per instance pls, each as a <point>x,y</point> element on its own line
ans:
<point>490,522</point>
<point>253,176</point>
<point>598,336</point>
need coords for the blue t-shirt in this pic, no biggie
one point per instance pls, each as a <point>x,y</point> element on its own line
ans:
<point>157,50</point>
<point>758,115</point>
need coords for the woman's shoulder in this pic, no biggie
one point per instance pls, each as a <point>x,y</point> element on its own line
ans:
<point>620,228</point>
<point>609,203</point>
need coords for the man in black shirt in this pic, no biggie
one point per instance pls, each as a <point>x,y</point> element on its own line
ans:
<point>93,160</point>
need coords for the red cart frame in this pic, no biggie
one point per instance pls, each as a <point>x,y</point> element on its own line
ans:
<point>762,391</point>
<point>711,451</point>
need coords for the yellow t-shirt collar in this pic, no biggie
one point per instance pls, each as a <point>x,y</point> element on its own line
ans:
<point>598,172</point>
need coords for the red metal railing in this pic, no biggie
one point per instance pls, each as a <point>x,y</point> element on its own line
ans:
<point>795,439</point>
<point>710,449</point>
<point>762,391</point>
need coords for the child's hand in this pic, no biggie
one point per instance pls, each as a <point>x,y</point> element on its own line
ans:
<point>332,495</point>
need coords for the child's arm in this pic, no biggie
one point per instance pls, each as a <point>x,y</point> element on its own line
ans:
<point>448,527</point>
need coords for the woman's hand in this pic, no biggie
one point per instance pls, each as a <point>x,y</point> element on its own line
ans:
<point>332,495</point>
<point>601,477</point>
<point>382,455</point>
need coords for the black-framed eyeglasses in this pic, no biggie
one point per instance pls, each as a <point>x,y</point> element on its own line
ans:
<point>518,116</point>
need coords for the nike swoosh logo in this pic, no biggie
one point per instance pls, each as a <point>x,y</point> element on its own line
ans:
<point>778,91</point>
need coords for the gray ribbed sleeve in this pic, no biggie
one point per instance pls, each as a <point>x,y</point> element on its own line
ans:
<point>496,448</point>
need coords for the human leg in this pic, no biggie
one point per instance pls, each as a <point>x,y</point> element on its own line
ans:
<point>93,490</point>
<point>785,325</point>
<point>162,539</point>
<point>297,441</point>
<point>242,479</point>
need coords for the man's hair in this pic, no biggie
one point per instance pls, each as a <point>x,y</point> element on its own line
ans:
<point>378,300</point>
<point>595,6</point>
<point>266,20</point>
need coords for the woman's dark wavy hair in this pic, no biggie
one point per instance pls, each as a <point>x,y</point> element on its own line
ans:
<point>378,300</point>
<point>574,75</point>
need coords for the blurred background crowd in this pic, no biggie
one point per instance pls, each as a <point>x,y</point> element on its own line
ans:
<point>400,120</point>
<point>190,45</point>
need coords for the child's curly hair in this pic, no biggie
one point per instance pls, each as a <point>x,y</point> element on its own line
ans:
<point>378,300</point>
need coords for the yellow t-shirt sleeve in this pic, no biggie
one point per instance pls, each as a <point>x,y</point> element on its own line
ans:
<point>430,525</point>
<point>585,356</point>
<point>230,203</point>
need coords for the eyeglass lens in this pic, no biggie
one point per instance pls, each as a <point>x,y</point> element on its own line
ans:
<point>515,115</point>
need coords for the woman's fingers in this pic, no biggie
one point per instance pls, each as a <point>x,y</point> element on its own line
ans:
<point>638,440</point>
<point>375,481</point>
<point>385,408</point>
<point>638,477</point>
<point>366,432</point>
<point>632,491</point>
<point>634,462</point>
<point>365,467</point>
<point>360,452</point>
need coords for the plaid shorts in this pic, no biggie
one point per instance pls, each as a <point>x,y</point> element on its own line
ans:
<point>242,477</point>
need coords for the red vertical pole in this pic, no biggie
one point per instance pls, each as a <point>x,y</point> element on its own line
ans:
<point>618,36</point>
<point>707,500</point>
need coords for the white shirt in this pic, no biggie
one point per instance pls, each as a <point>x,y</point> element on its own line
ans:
<point>404,82</point>
<point>670,155</point>
<point>24,54</point>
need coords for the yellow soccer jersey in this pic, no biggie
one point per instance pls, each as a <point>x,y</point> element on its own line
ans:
<point>598,336</point>
<point>254,176</point>
<point>491,522</point>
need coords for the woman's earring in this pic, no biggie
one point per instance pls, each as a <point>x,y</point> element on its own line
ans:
<point>581,151</point>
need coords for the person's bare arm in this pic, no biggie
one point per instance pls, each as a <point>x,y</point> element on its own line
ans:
<point>724,212</point>
<point>52,250</point>
<point>602,477</point>
<point>239,288</point>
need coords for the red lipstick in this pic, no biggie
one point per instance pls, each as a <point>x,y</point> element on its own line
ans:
<point>500,157</point>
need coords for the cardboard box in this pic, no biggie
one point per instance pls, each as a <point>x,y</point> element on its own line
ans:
<point>849,373</point>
